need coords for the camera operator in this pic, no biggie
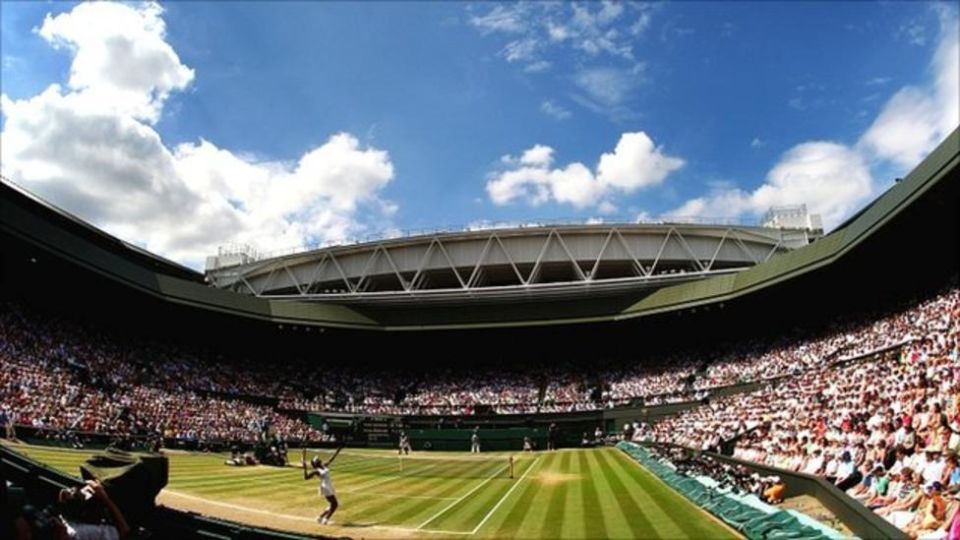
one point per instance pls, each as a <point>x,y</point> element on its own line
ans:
<point>83,510</point>
<point>79,516</point>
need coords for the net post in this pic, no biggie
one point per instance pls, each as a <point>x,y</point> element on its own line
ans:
<point>511,467</point>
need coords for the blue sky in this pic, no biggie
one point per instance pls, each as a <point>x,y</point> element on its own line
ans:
<point>379,117</point>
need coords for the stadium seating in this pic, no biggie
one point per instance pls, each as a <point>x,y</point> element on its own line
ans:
<point>883,388</point>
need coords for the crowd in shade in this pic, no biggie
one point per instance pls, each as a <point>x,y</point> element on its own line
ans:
<point>885,427</point>
<point>57,380</point>
<point>56,374</point>
<point>731,478</point>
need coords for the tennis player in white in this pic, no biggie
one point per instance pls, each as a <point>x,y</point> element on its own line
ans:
<point>322,470</point>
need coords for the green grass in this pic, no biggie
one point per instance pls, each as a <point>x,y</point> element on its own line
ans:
<point>567,494</point>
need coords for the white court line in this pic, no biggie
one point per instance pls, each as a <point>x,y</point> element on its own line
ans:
<point>505,495</point>
<point>465,495</point>
<point>299,518</point>
<point>390,496</point>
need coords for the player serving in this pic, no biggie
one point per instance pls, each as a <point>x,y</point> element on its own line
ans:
<point>322,470</point>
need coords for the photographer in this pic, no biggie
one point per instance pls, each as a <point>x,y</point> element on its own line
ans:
<point>80,506</point>
<point>76,517</point>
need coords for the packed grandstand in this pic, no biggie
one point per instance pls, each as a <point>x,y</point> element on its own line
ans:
<point>838,401</point>
<point>61,375</point>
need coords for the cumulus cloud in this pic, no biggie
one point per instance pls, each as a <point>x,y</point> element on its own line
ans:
<point>834,179</point>
<point>916,118</point>
<point>634,164</point>
<point>831,179</point>
<point>121,60</point>
<point>91,148</point>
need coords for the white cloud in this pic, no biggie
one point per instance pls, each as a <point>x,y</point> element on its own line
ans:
<point>641,24</point>
<point>121,61</point>
<point>916,119</point>
<point>557,112</point>
<point>557,32</point>
<point>607,208</point>
<point>914,32</point>
<point>537,67</point>
<point>521,50</point>
<point>590,29</point>
<point>636,163</point>
<point>833,179</point>
<point>610,87</point>
<point>508,19</point>
<point>878,81</point>
<point>538,156</point>
<point>757,142</point>
<point>9,62</point>
<point>91,149</point>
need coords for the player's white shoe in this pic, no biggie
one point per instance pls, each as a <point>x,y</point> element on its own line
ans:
<point>322,520</point>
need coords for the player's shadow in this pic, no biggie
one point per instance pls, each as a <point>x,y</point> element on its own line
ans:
<point>355,525</point>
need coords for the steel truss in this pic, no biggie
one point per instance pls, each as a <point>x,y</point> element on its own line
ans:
<point>503,262</point>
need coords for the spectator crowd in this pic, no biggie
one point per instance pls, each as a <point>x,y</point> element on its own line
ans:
<point>885,427</point>
<point>827,392</point>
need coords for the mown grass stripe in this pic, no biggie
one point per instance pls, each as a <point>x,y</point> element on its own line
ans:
<point>217,478</point>
<point>449,484</point>
<point>575,528</point>
<point>483,505</point>
<point>496,507</point>
<point>444,485</point>
<point>614,519</point>
<point>698,525</point>
<point>462,498</point>
<point>264,491</point>
<point>508,524</point>
<point>634,514</point>
<point>467,514</point>
<point>591,508</point>
<point>553,519</point>
<point>532,518</point>
<point>416,510</point>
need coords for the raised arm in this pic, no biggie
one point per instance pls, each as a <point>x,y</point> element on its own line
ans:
<point>303,462</point>
<point>335,454</point>
<point>123,529</point>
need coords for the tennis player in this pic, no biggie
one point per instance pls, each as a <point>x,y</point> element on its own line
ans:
<point>322,470</point>
<point>404,443</point>
<point>475,441</point>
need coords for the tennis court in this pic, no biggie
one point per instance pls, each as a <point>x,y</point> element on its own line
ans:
<point>588,493</point>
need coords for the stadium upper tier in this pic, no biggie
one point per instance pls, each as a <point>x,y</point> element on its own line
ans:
<point>634,274</point>
<point>519,262</point>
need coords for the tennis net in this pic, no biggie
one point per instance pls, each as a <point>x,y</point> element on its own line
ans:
<point>421,466</point>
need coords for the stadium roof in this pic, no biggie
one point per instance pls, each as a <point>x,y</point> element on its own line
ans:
<point>913,223</point>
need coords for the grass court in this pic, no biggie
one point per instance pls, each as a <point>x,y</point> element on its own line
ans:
<point>574,493</point>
